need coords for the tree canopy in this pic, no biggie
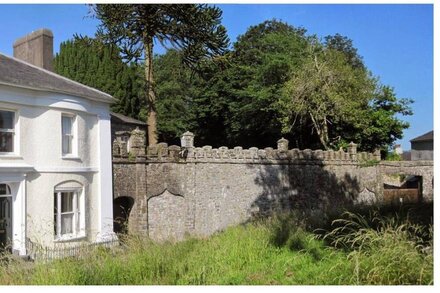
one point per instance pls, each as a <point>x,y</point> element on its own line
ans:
<point>281,82</point>
<point>276,80</point>
<point>195,29</point>
<point>100,66</point>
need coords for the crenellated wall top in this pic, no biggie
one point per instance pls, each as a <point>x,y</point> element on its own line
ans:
<point>162,152</point>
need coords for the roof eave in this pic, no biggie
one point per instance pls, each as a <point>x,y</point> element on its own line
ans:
<point>421,140</point>
<point>108,100</point>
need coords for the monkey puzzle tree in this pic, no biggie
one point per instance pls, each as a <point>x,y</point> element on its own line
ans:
<point>193,28</point>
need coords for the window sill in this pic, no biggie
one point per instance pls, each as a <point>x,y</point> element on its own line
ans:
<point>69,238</point>
<point>10,156</point>
<point>71,157</point>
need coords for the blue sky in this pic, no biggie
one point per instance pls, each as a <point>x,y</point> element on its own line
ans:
<point>396,41</point>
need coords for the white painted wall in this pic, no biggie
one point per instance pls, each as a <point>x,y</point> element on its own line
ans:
<point>39,131</point>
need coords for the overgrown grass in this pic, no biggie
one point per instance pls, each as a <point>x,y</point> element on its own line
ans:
<point>395,252</point>
<point>273,251</point>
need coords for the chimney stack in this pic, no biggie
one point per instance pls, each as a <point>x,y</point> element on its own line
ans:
<point>36,48</point>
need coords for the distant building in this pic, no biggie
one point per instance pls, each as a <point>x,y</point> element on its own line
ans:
<point>406,156</point>
<point>123,125</point>
<point>422,147</point>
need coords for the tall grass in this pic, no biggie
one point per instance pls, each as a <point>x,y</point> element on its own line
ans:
<point>394,252</point>
<point>279,250</point>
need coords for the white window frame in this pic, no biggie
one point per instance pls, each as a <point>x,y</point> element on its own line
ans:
<point>78,221</point>
<point>74,137</point>
<point>15,134</point>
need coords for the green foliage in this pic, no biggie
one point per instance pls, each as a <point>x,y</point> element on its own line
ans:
<point>275,81</point>
<point>360,249</point>
<point>100,66</point>
<point>248,86</point>
<point>392,156</point>
<point>345,45</point>
<point>176,85</point>
<point>368,163</point>
<point>384,127</point>
<point>385,250</point>
<point>326,90</point>
<point>287,233</point>
<point>342,100</point>
<point>195,29</point>
<point>316,94</point>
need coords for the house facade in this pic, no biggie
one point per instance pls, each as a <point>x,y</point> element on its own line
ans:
<point>422,147</point>
<point>55,153</point>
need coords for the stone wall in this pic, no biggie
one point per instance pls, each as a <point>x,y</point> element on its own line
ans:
<point>201,190</point>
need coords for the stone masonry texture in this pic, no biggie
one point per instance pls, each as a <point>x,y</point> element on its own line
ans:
<point>199,191</point>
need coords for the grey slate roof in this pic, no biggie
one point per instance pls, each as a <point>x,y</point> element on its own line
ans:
<point>15,72</point>
<point>424,137</point>
<point>119,118</point>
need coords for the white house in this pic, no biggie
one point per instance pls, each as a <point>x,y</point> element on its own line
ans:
<point>55,152</point>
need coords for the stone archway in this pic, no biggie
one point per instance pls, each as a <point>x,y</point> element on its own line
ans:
<point>121,212</point>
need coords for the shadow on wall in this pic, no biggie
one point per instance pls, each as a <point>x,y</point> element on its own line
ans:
<point>316,191</point>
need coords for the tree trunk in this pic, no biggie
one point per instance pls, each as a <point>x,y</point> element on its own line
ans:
<point>322,132</point>
<point>150,95</point>
<point>325,140</point>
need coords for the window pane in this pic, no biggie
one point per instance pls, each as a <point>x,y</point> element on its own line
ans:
<point>7,119</point>
<point>77,224</point>
<point>66,224</point>
<point>67,125</point>
<point>6,142</point>
<point>55,209</point>
<point>4,189</point>
<point>66,202</point>
<point>67,144</point>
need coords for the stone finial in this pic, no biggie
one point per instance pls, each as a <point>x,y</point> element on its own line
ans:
<point>116,148</point>
<point>376,154</point>
<point>352,150</point>
<point>137,142</point>
<point>283,145</point>
<point>187,140</point>
<point>123,148</point>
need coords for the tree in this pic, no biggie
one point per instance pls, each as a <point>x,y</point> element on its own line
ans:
<point>383,127</point>
<point>342,100</point>
<point>100,66</point>
<point>236,105</point>
<point>176,86</point>
<point>345,45</point>
<point>193,28</point>
<point>271,84</point>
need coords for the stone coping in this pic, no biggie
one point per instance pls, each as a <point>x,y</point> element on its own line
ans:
<point>164,153</point>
